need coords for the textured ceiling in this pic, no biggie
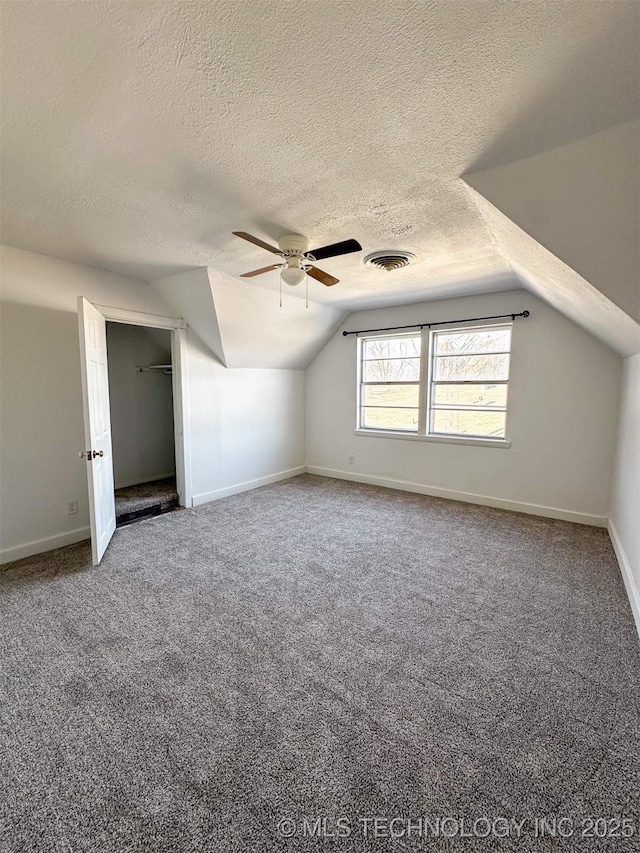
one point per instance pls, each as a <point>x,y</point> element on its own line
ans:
<point>137,136</point>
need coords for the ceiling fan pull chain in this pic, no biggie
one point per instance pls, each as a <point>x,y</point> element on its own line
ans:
<point>280,280</point>
<point>306,294</point>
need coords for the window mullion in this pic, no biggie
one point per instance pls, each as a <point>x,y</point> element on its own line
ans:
<point>360,379</point>
<point>423,381</point>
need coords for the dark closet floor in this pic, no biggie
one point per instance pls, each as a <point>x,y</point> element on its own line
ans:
<point>145,499</point>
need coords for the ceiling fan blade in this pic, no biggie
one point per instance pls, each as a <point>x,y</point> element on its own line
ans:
<point>322,277</point>
<point>342,248</point>
<point>260,271</point>
<point>256,241</point>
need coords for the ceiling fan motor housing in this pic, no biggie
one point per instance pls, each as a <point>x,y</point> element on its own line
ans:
<point>294,248</point>
<point>294,245</point>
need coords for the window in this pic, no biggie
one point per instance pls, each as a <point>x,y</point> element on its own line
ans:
<point>390,383</point>
<point>468,385</point>
<point>452,382</point>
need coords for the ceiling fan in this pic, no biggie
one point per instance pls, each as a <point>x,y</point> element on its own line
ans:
<point>297,261</point>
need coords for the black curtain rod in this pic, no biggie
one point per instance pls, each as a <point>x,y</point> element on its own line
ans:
<point>441,323</point>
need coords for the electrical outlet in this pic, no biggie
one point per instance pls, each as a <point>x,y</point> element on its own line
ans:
<point>352,459</point>
<point>72,507</point>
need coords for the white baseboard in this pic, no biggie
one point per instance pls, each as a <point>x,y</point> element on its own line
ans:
<point>627,575</point>
<point>142,480</point>
<point>39,546</point>
<point>467,497</point>
<point>207,497</point>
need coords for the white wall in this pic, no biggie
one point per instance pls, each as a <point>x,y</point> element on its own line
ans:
<point>562,416</point>
<point>247,424</point>
<point>141,404</point>
<point>624,522</point>
<point>255,431</point>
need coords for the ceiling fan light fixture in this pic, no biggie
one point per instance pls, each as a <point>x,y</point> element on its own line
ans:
<point>298,261</point>
<point>293,276</point>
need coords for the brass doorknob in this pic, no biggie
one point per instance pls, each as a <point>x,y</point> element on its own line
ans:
<point>95,453</point>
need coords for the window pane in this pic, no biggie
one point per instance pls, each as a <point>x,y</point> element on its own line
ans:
<point>405,347</point>
<point>488,424</point>
<point>484,340</point>
<point>394,370</point>
<point>470,395</point>
<point>390,395</point>
<point>472,367</point>
<point>405,419</point>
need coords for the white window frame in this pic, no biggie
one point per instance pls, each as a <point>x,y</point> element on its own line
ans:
<point>431,382</point>
<point>421,388</point>
<point>425,390</point>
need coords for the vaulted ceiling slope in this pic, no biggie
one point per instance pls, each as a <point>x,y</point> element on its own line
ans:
<point>568,222</point>
<point>245,327</point>
<point>137,136</point>
<point>562,287</point>
<point>581,201</point>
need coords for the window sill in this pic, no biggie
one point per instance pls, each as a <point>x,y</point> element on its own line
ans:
<point>438,439</point>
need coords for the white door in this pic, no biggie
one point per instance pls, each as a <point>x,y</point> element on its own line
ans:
<point>97,426</point>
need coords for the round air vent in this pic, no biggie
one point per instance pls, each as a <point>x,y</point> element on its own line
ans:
<point>389,260</point>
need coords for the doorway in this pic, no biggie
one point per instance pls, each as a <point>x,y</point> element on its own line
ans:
<point>142,421</point>
<point>172,365</point>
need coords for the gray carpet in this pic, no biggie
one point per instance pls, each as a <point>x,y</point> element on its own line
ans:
<point>320,649</point>
<point>146,498</point>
